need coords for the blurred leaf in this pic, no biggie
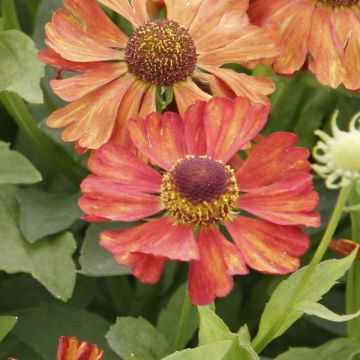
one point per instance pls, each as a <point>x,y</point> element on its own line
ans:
<point>137,339</point>
<point>320,282</point>
<point>49,261</point>
<point>319,310</point>
<point>170,318</point>
<point>213,351</point>
<point>20,70</point>
<point>6,324</point>
<point>50,321</point>
<point>43,213</point>
<point>15,168</point>
<point>95,260</point>
<point>8,13</point>
<point>338,349</point>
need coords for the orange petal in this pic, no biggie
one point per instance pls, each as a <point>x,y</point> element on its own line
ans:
<point>182,12</point>
<point>217,86</point>
<point>148,104</point>
<point>231,124</point>
<point>96,23</point>
<point>274,158</point>
<point>186,93</point>
<point>267,247</point>
<point>290,201</point>
<point>159,237</point>
<point>91,119</point>
<point>160,137</point>
<point>66,36</point>
<point>136,13</point>
<point>74,88</point>
<point>117,164</point>
<point>327,57</point>
<point>70,348</point>
<point>116,202</point>
<point>252,87</point>
<point>344,247</point>
<point>208,276</point>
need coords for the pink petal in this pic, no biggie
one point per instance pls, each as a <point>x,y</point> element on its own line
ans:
<point>160,137</point>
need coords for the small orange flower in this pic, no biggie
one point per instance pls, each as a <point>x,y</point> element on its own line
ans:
<point>70,348</point>
<point>344,247</point>
<point>325,33</point>
<point>198,190</point>
<point>119,74</point>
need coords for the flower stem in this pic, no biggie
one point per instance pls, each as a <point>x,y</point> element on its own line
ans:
<point>260,343</point>
<point>51,150</point>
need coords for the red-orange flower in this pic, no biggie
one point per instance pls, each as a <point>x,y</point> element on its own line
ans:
<point>326,33</point>
<point>119,74</point>
<point>70,348</point>
<point>197,190</point>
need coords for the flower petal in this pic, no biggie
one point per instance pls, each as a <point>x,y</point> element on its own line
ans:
<point>74,88</point>
<point>344,247</point>
<point>91,119</point>
<point>183,12</point>
<point>66,36</point>
<point>96,23</point>
<point>70,348</point>
<point>231,124</point>
<point>208,276</point>
<point>148,103</point>
<point>186,93</point>
<point>290,201</point>
<point>159,237</point>
<point>267,247</point>
<point>274,158</point>
<point>159,137</point>
<point>117,164</point>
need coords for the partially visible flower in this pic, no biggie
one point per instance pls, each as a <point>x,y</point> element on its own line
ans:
<point>338,156</point>
<point>344,247</point>
<point>196,192</point>
<point>70,348</point>
<point>119,75</point>
<point>324,33</point>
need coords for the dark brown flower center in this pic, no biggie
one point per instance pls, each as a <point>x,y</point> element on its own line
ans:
<point>199,190</point>
<point>161,52</point>
<point>339,3</point>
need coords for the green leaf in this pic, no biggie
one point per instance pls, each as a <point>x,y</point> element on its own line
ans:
<point>95,260</point>
<point>49,261</point>
<point>6,324</point>
<point>319,310</point>
<point>20,70</point>
<point>136,338</point>
<point>320,282</point>
<point>15,168</point>
<point>338,349</point>
<point>213,351</point>
<point>169,320</point>
<point>43,214</point>
<point>8,12</point>
<point>41,327</point>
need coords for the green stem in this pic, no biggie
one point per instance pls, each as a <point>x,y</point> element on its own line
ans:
<point>51,150</point>
<point>183,325</point>
<point>9,16</point>
<point>260,343</point>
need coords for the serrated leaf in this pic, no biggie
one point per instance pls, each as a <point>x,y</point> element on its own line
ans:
<point>136,338</point>
<point>49,261</point>
<point>20,70</point>
<point>15,168</point>
<point>338,349</point>
<point>41,327</point>
<point>170,318</point>
<point>319,310</point>
<point>6,324</point>
<point>319,283</point>
<point>213,351</point>
<point>43,213</point>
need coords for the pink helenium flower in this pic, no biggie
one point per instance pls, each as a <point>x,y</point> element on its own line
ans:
<point>196,190</point>
<point>119,74</point>
<point>70,348</point>
<point>324,33</point>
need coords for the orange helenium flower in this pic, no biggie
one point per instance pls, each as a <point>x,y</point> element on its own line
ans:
<point>70,348</point>
<point>324,32</point>
<point>197,190</point>
<point>119,74</point>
